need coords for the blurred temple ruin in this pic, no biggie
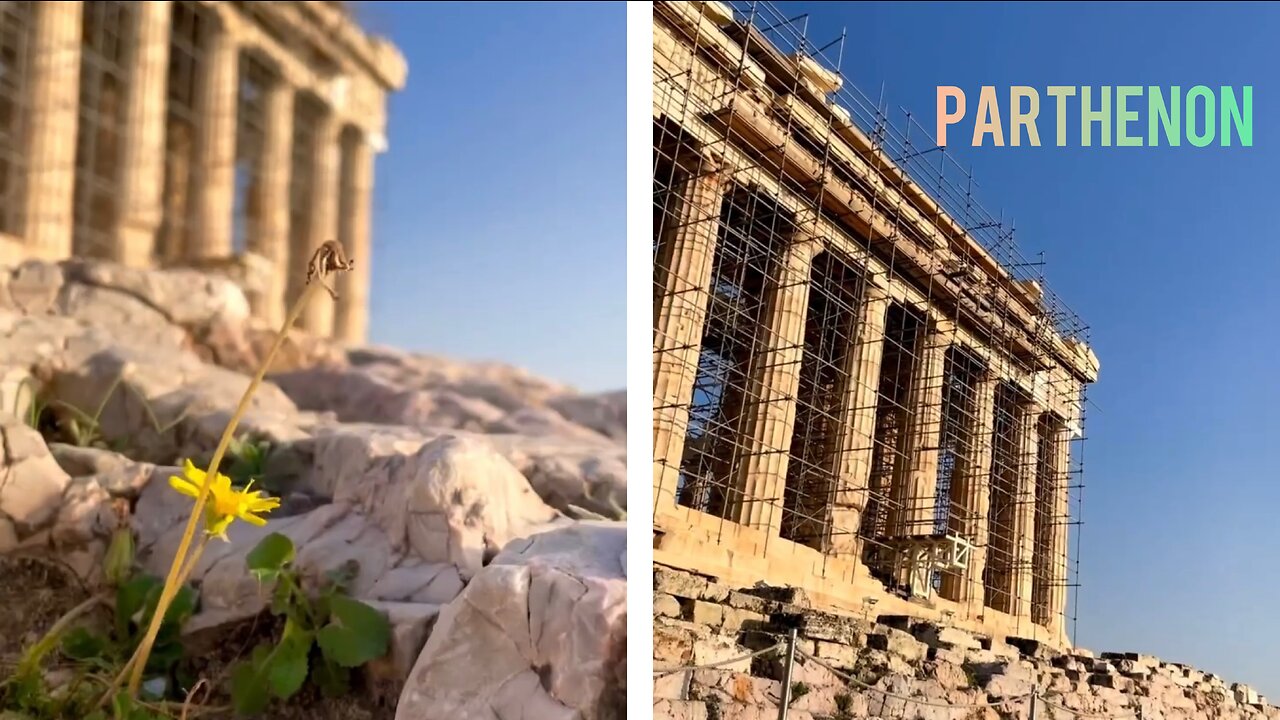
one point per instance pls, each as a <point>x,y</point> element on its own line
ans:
<point>230,136</point>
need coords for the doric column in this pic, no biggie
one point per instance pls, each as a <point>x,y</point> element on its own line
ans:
<point>351,313</point>
<point>1059,516</point>
<point>277,161</point>
<point>915,474</point>
<point>769,410</point>
<point>971,490</point>
<point>317,316</point>
<point>858,413</point>
<point>142,174</point>
<point>687,255</point>
<point>1024,530</point>
<point>216,150</point>
<point>54,89</point>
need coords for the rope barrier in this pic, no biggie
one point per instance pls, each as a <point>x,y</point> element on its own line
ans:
<point>673,671</point>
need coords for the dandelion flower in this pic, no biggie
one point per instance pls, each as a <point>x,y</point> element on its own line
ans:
<point>225,503</point>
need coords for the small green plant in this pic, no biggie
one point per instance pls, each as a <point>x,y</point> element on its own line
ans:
<point>93,652</point>
<point>799,689</point>
<point>325,635</point>
<point>844,704</point>
<point>248,460</point>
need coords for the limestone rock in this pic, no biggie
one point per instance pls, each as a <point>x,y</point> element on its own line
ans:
<point>539,633</point>
<point>31,483</point>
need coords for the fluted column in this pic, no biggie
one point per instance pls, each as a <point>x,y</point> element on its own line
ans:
<point>769,410</point>
<point>276,165</point>
<point>1059,516</point>
<point>317,316</point>
<point>971,488</point>
<point>915,474</point>
<point>216,151</point>
<point>142,174</point>
<point>351,313</point>
<point>54,89</point>
<point>1025,512</point>
<point>857,441</point>
<point>687,255</point>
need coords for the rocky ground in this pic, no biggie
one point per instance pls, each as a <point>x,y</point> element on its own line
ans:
<point>897,668</point>
<point>475,499</point>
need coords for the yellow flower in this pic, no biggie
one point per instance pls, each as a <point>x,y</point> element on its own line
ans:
<point>224,503</point>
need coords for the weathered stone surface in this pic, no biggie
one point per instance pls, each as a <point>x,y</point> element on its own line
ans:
<point>540,632</point>
<point>31,483</point>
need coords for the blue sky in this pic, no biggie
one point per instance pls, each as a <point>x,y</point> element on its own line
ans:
<point>1170,255</point>
<point>500,205</point>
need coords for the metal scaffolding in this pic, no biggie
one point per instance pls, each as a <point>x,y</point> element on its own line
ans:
<point>851,383</point>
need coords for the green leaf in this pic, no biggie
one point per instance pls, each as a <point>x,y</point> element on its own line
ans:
<point>250,684</point>
<point>131,598</point>
<point>288,668</point>
<point>332,679</point>
<point>270,556</point>
<point>356,633</point>
<point>281,597</point>
<point>80,644</point>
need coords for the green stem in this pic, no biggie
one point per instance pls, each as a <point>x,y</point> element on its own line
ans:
<point>138,662</point>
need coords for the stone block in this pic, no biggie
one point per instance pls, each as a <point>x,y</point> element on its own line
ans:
<point>1116,682</point>
<point>743,601</point>
<point>719,649</point>
<point>680,584</point>
<point>1034,649</point>
<point>679,710</point>
<point>736,687</point>
<point>735,619</point>
<point>827,626</point>
<point>670,687</point>
<point>665,605</point>
<point>898,643</point>
<point>672,644</point>
<point>837,654</point>
<point>715,592</point>
<point>702,613</point>
<point>786,595</point>
<point>1244,694</point>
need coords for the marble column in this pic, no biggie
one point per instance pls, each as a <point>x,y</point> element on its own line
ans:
<point>54,91</point>
<point>857,440</point>
<point>971,490</point>
<point>142,175</point>
<point>351,313</point>
<point>1059,517</point>
<point>211,237</point>
<point>688,253</point>
<point>1024,530</point>
<point>277,163</point>
<point>769,411</point>
<point>915,474</point>
<point>317,315</point>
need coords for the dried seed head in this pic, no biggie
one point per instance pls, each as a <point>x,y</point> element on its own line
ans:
<point>328,259</point>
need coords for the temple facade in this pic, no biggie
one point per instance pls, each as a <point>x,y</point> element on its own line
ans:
<point>202,134</point>
<point>858,388</point>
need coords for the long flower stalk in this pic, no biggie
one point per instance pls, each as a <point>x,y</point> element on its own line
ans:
<point>329,258</point>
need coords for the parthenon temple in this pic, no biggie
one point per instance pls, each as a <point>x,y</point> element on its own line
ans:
<point>157,134</point>
<point>860,387</point>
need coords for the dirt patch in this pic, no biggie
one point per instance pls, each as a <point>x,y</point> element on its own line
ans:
<point>33,595</point>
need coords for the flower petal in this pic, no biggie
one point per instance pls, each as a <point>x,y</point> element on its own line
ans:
<point>184,486</point>
<point>252,519</point>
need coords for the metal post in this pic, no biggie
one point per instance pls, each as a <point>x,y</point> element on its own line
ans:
<point>785,700</point>
<point>1034,692</point>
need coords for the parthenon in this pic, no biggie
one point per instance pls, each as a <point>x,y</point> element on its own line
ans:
<point>178,133</point>
<point>860,387</point>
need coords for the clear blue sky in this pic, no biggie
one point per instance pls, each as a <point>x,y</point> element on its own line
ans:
<point>1171,256</point>
<point>500,206</point>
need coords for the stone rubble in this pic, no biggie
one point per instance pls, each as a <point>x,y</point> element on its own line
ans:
<point>962,676</point>
<point>443,484</point>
